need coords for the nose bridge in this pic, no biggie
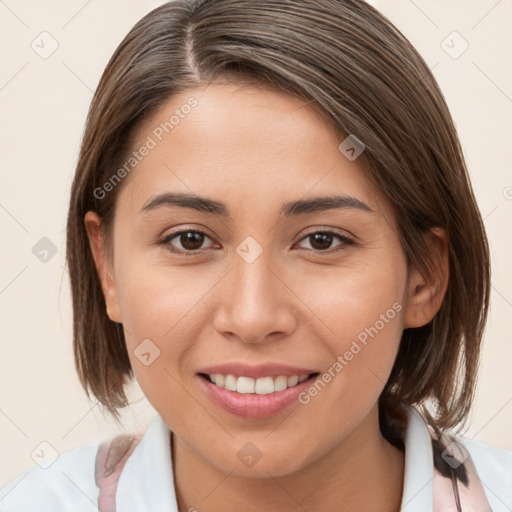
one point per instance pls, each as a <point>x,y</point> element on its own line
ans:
<point>254,302</point>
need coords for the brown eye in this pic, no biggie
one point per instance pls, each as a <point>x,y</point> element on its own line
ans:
<point>321,241</point>
<point>190,241</point>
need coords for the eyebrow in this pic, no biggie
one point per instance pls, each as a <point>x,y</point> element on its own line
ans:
<point>293,208</point>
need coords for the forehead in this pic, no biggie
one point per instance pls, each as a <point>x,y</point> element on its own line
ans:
<point>242,144</point>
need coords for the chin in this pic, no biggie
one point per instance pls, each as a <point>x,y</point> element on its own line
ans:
<point>249,462</point>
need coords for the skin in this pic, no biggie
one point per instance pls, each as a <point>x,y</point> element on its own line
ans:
<point>254,149</point>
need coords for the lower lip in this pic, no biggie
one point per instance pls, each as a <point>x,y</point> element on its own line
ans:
<point>252,405</point>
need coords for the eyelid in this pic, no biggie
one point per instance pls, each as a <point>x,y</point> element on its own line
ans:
<point>177,230</point>
<point>325,229</point>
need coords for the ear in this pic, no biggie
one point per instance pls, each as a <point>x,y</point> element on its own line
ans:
<point>424,298</point>
<point>103,265</point>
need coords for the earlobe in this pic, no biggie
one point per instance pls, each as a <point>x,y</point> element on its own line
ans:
<point>425,296</point>
<point>103,266</point>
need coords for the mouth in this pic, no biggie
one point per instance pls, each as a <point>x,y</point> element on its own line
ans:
<point>261,386</point>
<point>255,398</point>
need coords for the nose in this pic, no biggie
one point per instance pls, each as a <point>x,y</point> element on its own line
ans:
<point>255,302</point>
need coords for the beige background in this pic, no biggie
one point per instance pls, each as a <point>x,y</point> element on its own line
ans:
<point>43,105</point>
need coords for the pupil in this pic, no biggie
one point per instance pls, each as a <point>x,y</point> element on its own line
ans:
<point>191,240</point>
<point>321,238</point>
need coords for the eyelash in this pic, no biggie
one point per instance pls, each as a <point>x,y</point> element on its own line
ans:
<point>346,241</point>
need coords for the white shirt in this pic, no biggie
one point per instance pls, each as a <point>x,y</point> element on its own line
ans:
<point>146,480</point>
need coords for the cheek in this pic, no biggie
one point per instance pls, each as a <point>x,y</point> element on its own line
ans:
<point>158,339</point>
<point>163,311</point>
<point>157,300</point>
<point>351,300</point>
<point>362,310</point>
<point>362,354</point>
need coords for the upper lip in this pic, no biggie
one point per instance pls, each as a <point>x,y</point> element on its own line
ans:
<point>241,369</point>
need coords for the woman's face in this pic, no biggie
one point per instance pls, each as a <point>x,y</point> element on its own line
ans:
<point>262,279</point>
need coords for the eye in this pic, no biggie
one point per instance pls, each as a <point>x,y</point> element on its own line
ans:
<point>190,240</point>
<point>321,240</point>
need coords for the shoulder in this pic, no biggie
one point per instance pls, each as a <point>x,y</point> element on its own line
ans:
<point>494,468</point>
<point>484,470</point>
<point>62,484</point>
<point>493,461</point>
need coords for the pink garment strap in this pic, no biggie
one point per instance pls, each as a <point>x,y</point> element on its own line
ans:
<point>457,486</point>
<point>110,460</point>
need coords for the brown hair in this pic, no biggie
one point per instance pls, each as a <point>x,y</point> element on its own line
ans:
<point>351,64</point>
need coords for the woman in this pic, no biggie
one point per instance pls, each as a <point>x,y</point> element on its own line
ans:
<point>272,229</point>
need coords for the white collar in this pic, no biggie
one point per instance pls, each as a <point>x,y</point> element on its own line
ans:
<point>146,482</point>
<point>418,491</point>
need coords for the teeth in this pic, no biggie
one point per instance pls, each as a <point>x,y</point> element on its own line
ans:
<point>261,386</point>
<point>245,385</point>
<point>230,382</point>
<point>280,383</point>
<point>264,386</point>
<point>292,381</point>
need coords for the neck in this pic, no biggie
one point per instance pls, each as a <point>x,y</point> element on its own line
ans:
<point>363,472</point>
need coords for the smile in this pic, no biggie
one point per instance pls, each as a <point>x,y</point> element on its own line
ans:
<point>255,398</point>
<point>261,386</point>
